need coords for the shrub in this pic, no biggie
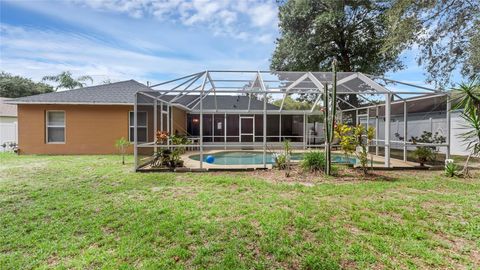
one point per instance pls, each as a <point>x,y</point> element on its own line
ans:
<point>280,160</point>
<point>347,142</point>
<point>314,161</point>
<point>451,169</point>
<point>170,157</point>
<point>424,154</point>
<point>352,138</point>
<point>427,153</point>
<point>363,138</point>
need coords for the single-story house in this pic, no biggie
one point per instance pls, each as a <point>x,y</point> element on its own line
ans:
<point>8,124</point>
<point>88,120</point>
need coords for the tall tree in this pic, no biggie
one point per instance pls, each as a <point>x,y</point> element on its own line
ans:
<point>314,32</point>
<point>15,86</point>
<point>66,81</point>
<point>447,32</point>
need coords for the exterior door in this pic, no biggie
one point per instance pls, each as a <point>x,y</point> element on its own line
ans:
<point>247,128</point>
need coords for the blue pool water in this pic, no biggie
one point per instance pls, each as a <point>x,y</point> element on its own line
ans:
<point>252,158</point>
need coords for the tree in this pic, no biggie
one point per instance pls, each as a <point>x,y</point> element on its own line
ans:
<point>447,33</point>
<point>121,145</point>
<point>15,86</point>
<point>314,32</point>
<point>292,104</point>
<point>467,97</point>
<point>65,80</point>
<point>298,104</point>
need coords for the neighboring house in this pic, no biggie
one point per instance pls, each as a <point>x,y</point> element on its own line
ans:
<point>89,120</point>
<point>8,123</point>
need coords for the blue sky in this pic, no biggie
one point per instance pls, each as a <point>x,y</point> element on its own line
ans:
<point>141,39</point>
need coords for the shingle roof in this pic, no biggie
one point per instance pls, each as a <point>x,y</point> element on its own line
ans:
<point>424,105</point>
<point>113,93</point>
<point>7,109</point>
<point>224,102</point>
<point>234,103</point>
<point>124,93</point>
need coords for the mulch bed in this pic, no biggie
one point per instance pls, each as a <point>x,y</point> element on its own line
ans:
<point>343,175</point>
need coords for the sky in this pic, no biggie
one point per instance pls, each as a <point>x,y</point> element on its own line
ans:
<point>143,40</point>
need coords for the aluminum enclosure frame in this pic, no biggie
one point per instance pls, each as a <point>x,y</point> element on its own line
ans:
<point>261,84</point>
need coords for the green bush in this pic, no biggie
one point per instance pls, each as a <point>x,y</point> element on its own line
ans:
<point>314,161</point>
<point>424,154</point>
<point>451,169</point>
<point>280,160</point>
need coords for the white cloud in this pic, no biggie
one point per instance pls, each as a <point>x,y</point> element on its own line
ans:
<point>224,17</point>
<point>201,11</point>
<point>263,15</point>
<point>152,43</point>
<point>265,38</point>
<point>35,53</point>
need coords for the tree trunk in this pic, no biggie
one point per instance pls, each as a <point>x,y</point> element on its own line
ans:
<point>465,170</point>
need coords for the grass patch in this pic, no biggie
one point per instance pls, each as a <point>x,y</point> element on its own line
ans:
<point>92,212</point>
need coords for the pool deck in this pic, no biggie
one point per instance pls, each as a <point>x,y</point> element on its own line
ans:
<point>378,162</point>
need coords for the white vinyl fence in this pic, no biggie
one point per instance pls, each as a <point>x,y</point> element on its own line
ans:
<point>8,135</point>
<point>418,123</point>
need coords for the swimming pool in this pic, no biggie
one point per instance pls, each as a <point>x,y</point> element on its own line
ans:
<point>253,157</point>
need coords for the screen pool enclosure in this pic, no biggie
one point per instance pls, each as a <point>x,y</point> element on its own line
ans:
<point>258,110</point>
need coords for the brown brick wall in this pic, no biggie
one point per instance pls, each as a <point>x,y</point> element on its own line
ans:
<point>90,129</point>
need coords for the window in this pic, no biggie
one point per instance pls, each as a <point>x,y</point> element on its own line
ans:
<point>55,126</point>
<point>193,124</point>
<point>233,131</point>
<point>141,124</point>
<point>207,127</point>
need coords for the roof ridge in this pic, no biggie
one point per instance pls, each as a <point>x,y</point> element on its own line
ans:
<point>91,86</point>
<point>82,88</point>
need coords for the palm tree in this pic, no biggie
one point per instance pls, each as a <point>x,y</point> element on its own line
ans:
<point>467,97</point>
<point>65,80</point>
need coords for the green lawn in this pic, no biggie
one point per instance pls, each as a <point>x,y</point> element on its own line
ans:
<point>92,212</point>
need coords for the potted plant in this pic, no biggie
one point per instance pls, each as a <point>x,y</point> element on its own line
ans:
<point>161,137</point>
<point>175,157</point>
<point>161,158</point>
<point>175,160</point>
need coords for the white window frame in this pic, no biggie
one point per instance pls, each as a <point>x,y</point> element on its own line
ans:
<point>56,126</point>
<point>131,125</point>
